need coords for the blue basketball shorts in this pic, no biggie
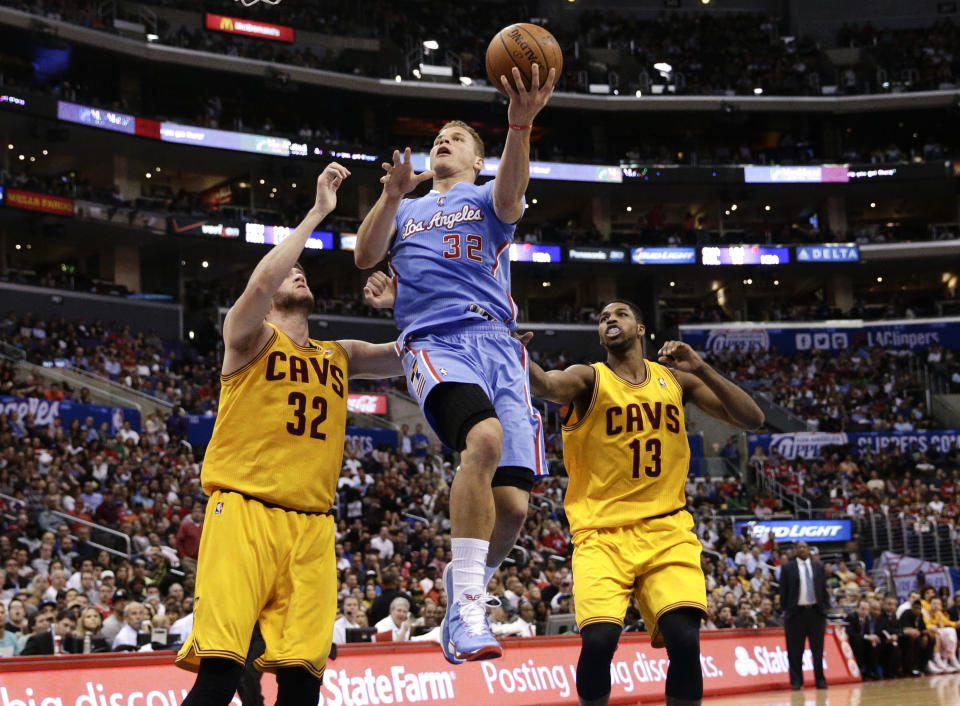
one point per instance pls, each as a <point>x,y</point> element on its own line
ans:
<point>483,354</point>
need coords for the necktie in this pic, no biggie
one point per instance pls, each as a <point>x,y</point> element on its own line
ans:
<point>808,596</point>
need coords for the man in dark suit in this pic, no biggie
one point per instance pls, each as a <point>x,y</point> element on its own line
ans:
<point>864,639</point>
<point>891,657</point>
<point>803,595</point>
<point>51,641</point>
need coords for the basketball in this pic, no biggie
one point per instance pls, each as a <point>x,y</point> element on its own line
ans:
<point>522,45</point>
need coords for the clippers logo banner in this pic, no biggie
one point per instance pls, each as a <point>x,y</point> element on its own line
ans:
<point>249,28</point>
<point>536,670</point>
<point>45,203</point>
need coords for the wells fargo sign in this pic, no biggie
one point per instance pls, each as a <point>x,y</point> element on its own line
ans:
<point>45,203</point>
<point>249,28</point>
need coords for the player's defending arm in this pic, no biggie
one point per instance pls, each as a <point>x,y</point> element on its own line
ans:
<point>243,327</point>
<point>513,174</point>
<point>373,237</point>
<point>372,360</point>
<point>708,389</point>
<point>562,386</point>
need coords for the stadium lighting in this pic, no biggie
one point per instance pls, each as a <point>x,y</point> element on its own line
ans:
<point>153,37</point>
<point>22,157</point>
<point>32,158</point>
<point>262,181</point>
<point>148,175</point>
<point>533,201</point>
<point>10,147</point>
<point>673,284</point>
<point>758,91</point>
<point>45,153</point>
<point>629,209</point>
<point>293,185</point>
<point>204,264</point>
<point>431,44</point>
<point>879,279</point>
<point>639,93</point>
<point>767,207</point>
<point>545,284</point>
<point>873,204</point>
<point>704,2</point>
<point>416,73</point>
<point>776,283</point>
<point>733,207</point>
<point>156,169</point>
<point>663,67</point>
<point>466,80</point>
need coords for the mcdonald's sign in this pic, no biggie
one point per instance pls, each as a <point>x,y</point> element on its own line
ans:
<point>249,28</point>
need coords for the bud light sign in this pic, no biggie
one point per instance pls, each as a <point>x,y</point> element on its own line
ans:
<point>798,530</point>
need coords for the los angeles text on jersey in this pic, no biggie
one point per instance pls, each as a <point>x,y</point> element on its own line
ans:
<point>310,371</point>
<point>636,416</point>
<point>467,214</point>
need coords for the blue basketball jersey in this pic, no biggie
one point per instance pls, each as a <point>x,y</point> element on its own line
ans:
<point>450,260</point>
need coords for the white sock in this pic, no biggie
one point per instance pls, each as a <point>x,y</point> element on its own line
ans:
<point>488,572</point>
<point>469,562</point>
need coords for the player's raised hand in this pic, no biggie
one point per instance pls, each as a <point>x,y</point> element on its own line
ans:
<point>680,356</point>
<point>379,291</point>
<point>399,178</point>
<point>328,182</point>
<point>524,104</point>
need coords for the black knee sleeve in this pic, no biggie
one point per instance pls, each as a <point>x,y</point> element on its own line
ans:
<point>455,408</point>
<point>297,687</point>
<point>515,476</point>
<point>216,683</point>
<point>681,635</point>
<point>598,642</point>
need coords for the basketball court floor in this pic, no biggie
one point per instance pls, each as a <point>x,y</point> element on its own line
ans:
<point>940,690</point>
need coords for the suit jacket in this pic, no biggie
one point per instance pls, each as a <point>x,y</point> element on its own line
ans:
<point>40,644</point>
<point>790,588</point>
<point>888,623</point>
<point>854,626</point>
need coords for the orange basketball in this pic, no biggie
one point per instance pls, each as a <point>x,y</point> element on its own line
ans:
<point>522,45</point>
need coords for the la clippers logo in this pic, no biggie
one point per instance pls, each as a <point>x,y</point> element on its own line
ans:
<point>442,220</point>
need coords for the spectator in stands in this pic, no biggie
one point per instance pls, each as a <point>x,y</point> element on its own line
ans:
<point>349,618</point>
<point>936,619</point>
<point>383,604</point>
<point>188,537</point>
<point>90,625</point>
<point>397,623</point>
<point>8,639</point>
<point>51,641</point>
<point>133,616</point>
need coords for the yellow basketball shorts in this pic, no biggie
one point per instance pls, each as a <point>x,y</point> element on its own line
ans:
<point>268,564</point>
<point>657,560</point>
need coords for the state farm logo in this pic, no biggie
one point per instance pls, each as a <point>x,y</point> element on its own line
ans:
<point>767,661</point>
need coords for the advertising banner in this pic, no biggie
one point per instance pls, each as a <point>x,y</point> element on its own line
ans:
<point>249,28</point>
<point>810,444</point>
<point>224,139</point>
<point>589,254</point>
<point>915,335</point>
<point>795,175</point>
<point>556,171</point>
<point>180,225</point>
<point>45,411</point>
<point>828,253</point>
<point>531,252</point>
<point>796,530</point>
<point>905,569</point>
<point>272,235</point>
<point>532,671</point>
<point>96,117</point>
<point>745,255</point>
<point>663,256</point>
<point>44,203</point>
<point>366,404</point>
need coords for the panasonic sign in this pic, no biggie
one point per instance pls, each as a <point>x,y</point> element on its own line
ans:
<point>797,530</point>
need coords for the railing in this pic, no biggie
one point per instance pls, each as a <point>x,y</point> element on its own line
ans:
<point>799,504</point>
<point>70,520</point>
<point>910,536</point>
<point>778,417</point>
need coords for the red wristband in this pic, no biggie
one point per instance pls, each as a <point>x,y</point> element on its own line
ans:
<point>520,127</point>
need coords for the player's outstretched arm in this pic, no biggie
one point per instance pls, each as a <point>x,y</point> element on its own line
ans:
<point>244,325</point>
<point>513,175</point>
<point>377,229</point>
<point>708,389</point>
<point>372,360</point>
<point>562,386</point>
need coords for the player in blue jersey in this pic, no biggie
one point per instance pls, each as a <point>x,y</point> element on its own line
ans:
<point>450,261</point>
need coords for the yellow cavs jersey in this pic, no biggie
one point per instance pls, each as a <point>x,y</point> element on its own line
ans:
<point>628,456</point>
<point>280,427</point>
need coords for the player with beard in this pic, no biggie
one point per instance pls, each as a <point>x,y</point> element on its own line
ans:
<point>271,470</point>
<point>449,252</point>
<point>626,452</point>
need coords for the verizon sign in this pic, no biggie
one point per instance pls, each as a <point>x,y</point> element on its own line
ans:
<point>532,671</point>
<point>249,28</point>
<point>367,404</point>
